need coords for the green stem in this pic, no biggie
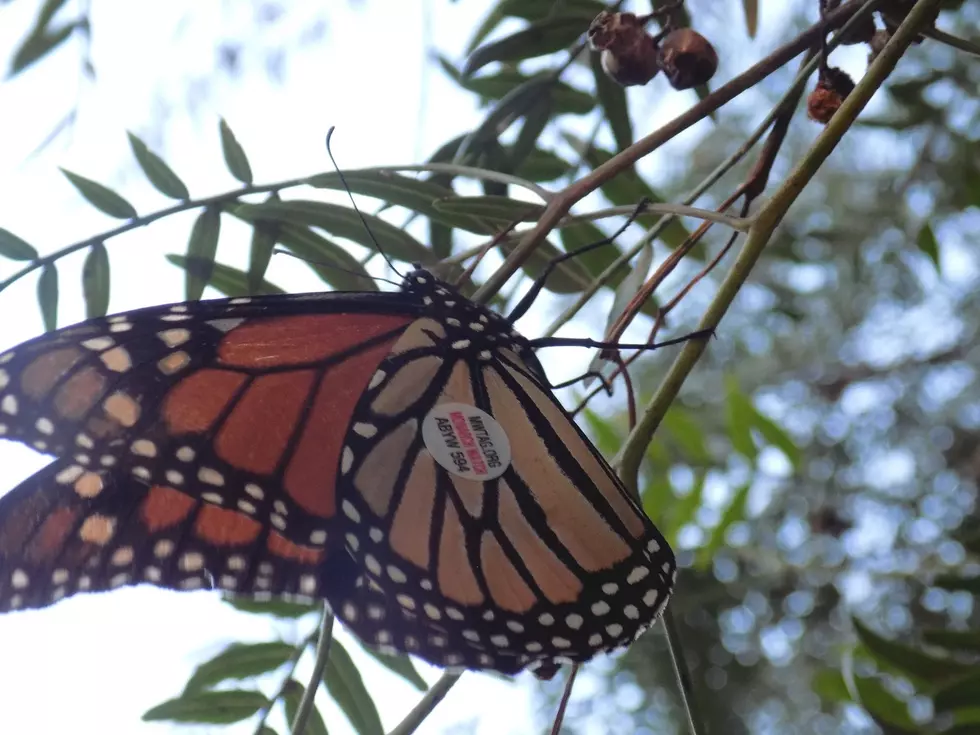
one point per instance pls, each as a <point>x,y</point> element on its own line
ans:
<point>768,217</point>
<point>293,662</point>
<point>437,692</point>
<point>298,725</point>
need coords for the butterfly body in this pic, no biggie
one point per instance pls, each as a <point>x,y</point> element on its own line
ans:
<point>399,454</point>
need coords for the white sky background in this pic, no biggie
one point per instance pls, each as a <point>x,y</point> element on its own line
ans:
<point>95,663</point>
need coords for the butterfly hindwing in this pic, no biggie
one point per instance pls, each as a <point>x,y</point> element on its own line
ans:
<point>63,531</point>
<point>548,562</point>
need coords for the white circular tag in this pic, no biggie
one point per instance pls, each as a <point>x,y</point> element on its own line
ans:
<point>466,441</point>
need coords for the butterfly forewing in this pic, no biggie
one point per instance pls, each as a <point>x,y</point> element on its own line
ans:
<point>235,405</point>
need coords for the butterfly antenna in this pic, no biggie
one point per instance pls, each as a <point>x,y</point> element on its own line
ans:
<point>334,266</point>
<point>343,180</point>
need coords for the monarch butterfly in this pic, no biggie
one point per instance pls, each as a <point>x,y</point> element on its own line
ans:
<point>399,454</point>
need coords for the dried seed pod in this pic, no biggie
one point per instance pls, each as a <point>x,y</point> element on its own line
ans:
<point>634,65</point>
<point>629,53</point>
<point>832,89</point>
<point>863,32</point>
<point>687,58</point>
<point>894,13</point>
<point>878,42</point>
<point>613,30</point>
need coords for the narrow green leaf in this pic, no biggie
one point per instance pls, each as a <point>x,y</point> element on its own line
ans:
<point>292,697</point>
<point>595,261</point>
<point>266,730</point>
<point>440,238</point>
<point>740,421</point>
<point>538,39</point>
<point>534,10</point>
<point>775,435</point>
<point>681,428</point>
<point>201,249</point>
<point>100,197</point>
<point>503,210</point>
<point>157,171</point>
<point>330,262</point>
<point>682,509</point>
<point>958,641</point>
<point>627,189</point>
<point>884,706</point>
<point>224,278</point>
<point>47,12</point>
<point>95,281</point>
<point>218,708</point>
<point>604,435</point>
<point>235,158</point>
<point>569,276</point>
<point>345,685</point>
<point>628,287</point>
<point>830,686</point>
<point>565,98</point>
<point>964,692</point>
<point>925,670</point>
<point>734,513</point>
<point>415,194</point>
<point>14,248</point>
<point>239,661</point>
<point>276,608</point>
<point>751,8</point>
<point>658,498</point>
<point>342,222</point>
<point>39,44</point>
<point>967,721</point>
<point>612,97</point>
<point>536,119</point>
<point>264,238</point>
<point>401,665</point>
<point>928,244</point>
<point>47,296</point>
<point>483,144</point>
<point>541,165</point>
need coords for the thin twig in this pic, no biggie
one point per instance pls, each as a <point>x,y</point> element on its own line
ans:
<point>566,198</point>
<point>767,218</point>
<point>692,711</point>
<point>319,666</point>
<point>565,696</point>
<point>423,709</point>
<point>293,661</point>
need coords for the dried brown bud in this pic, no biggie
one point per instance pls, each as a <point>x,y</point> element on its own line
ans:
<point>687,58</point>
<point>877,43</point>
<point>862,32</point>
<point>613,30</point>
<point>629,53</point>
<point>633,66</point>
<point>894,13</point>
<point>832,89</point>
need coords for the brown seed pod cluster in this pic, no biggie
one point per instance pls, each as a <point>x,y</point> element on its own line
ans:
<point>628,52</point>
<point>832,89</point>
<point>631,56</point>
<point>834,85</point>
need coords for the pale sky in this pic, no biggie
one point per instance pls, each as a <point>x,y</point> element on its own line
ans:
<point>95,663</point>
